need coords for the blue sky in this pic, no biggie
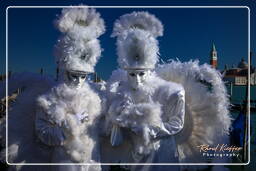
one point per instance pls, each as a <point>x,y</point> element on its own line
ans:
<point>188,34</point>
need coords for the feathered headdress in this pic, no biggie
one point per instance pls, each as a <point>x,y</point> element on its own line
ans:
<point>79,49</point>
<point>137,46</point>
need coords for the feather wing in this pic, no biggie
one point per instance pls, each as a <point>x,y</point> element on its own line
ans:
<point>207,118</point>
<point>23,146</point>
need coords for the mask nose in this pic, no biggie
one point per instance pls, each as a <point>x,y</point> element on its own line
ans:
<point>137,78</point>
<point>79,80</point>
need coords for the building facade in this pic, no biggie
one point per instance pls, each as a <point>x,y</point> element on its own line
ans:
<point>238,75</point>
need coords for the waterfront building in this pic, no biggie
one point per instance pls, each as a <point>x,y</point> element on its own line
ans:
<point>238,75</point>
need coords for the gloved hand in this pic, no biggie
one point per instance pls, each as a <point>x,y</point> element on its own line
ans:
<point>81,117</point>
<point>116,137</point>
<point>137,130</point>
<point>158,132</point>
<point>48,133</point>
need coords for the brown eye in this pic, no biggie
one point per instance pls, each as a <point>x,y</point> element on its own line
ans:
<point>142,73</point>
<point>132,74</point>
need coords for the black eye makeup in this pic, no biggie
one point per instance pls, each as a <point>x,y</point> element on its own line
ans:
<point>74,76</point>
<point>132,74</point>
<point>141,73</point>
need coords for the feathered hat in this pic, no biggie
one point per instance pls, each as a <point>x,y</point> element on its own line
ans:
<point>78,49</point>
<point>137,46</point>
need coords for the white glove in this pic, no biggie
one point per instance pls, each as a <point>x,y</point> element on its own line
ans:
<point>158,132</point>
<point>81,117</point>
<point>116,137</point>
<point>49,134</point>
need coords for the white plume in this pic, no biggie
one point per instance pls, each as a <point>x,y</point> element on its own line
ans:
<point>137,49</point>
<point>81,22</point>
<point>137,46</point>
<point>77,54</point>
<point>79,49</point>
<point>138,20</point>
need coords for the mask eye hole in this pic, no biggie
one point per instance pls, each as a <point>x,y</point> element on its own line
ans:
<point>73,76</point>
<point>132,74</point>
<point>141,73</point>
<point>83,76</point>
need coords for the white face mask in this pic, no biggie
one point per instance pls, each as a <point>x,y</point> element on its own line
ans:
<point>75,80</point>
<point>136,78</point>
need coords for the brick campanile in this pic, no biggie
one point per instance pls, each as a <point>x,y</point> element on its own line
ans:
<point>213,57</point>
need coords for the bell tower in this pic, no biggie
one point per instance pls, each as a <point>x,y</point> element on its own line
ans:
<point>213,57</point>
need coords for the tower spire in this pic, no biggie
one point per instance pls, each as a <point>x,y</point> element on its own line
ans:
<point>213,57</point>
<point>213,47</point>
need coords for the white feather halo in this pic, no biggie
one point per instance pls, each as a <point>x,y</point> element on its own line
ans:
<point>82,22</point>
<point>138,20</point>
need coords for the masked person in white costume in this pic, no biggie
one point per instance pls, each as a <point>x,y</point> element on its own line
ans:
<point>57,122</point>
<point>144,109</point>
<point>161,113</point>
<point>68,115</point>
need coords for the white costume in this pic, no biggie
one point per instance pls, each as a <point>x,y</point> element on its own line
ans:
<point>144,109</point>
<point>160,113</point>
<point>66,123</point>
<point>157,115</point>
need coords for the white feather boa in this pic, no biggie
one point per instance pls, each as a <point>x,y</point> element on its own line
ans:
<point>139,110</point>
<point>61,105</point>
<point>140,118</point>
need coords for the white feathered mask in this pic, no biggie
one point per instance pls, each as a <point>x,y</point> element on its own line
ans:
<point>79,49</point>
<point>137,46</point>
